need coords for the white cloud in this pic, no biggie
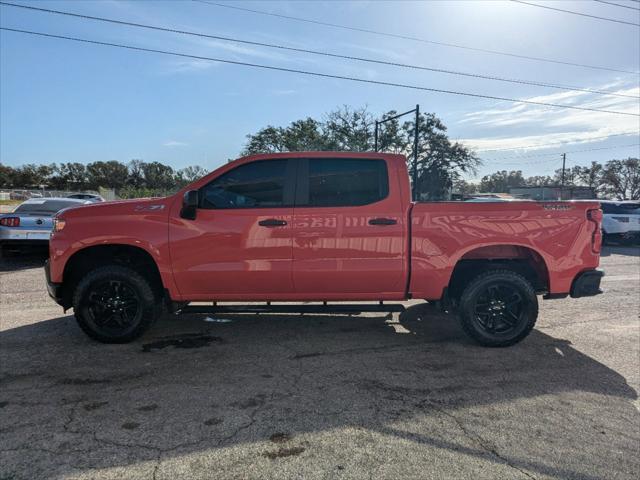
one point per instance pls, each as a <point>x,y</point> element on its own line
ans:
<point>554,124</point>
<point>174,143</point>
<point>188,66</point>
<point>280,93</point>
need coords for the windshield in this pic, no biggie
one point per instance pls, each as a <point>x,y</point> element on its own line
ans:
<point>46,207</point>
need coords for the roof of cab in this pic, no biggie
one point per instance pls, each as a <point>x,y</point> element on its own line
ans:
<point>322,154</point>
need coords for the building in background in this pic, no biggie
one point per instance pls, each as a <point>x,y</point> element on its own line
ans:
<point>554,193</point>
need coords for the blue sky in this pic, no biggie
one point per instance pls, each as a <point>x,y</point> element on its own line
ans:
<point>63,101</point>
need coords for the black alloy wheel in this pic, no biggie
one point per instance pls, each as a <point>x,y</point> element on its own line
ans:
<point>116,304</point>
<point>498,308</point>
<point>113,307</point>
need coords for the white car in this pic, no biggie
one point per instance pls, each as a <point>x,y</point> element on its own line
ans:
<point>621,221</point>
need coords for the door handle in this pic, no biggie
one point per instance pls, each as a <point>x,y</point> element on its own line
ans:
<point>272,222</point>
<point>382,221</point>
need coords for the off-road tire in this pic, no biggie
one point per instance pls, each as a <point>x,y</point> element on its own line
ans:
<point>149,305</point>
<point>477,290</point>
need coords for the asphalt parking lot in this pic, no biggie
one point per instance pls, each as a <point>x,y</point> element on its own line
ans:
<point>372,396</point>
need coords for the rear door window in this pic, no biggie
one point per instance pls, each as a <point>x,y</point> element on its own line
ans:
<point>342,182</point>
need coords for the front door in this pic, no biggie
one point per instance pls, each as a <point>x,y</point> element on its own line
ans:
<point>348,233</point>
<point>239,247</point>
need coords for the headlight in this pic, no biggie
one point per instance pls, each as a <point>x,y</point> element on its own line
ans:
<point>58,224</point>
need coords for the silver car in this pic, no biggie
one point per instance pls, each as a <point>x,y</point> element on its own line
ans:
<point>92,197</point>
<point>30,224</point>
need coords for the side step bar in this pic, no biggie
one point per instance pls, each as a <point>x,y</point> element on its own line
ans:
<point>338,308</point>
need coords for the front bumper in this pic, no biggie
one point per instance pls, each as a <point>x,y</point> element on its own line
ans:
<point>587,284</point>
<point>632,236</point>
<point>54,289</point>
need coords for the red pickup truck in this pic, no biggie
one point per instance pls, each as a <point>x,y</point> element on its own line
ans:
<point>319,227</point>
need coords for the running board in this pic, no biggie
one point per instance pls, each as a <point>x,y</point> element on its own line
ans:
<point>338,308</point>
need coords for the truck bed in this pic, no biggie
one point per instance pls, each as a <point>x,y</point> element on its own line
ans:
<point>555,233</point>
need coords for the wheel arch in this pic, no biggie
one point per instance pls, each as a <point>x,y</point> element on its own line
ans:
<point>518,258</point>
<point>91,257</point>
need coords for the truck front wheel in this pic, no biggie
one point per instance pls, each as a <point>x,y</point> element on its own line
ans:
<point>115,304</point>
<point>498,308</point>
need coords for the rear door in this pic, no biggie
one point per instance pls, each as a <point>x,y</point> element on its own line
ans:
<point>348,231</point>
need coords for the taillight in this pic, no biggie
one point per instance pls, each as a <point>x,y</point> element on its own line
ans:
<point>595,216</point>
<point>10,221</point>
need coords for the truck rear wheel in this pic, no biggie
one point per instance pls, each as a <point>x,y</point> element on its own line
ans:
<point>115,304</point>
<point>498,308</point>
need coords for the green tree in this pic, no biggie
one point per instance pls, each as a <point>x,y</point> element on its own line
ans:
<point>440,161</point>
<point>589,176</point>
<point>304,135</point>
<point>391,136</point>
<point>348,130</point>
<point>189,174</point>
<point>539,181</point>
<point>158,176</point>
<point>502,181</point>
<point>268,140</point>
<point>7,176</point>
<point>464,188</point>
<point>32,176</point>
<point>621,179</point>
<point>136,173</point>
<point>111,174</point>
<point>69,176</point>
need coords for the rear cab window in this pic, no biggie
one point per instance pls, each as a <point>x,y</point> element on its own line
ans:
<point>341,182</point>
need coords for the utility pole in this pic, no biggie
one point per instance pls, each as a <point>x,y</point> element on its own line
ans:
<point>564,160</point>
<point>414,163</point>
<point>414,194</point>
<point>375,134</point>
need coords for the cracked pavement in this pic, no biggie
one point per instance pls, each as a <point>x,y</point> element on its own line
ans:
<point>321,397</point>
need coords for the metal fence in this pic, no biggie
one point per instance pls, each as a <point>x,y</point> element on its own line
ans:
<point>25,194</point>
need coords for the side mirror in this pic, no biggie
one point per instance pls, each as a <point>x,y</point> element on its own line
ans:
<point>189,205</point>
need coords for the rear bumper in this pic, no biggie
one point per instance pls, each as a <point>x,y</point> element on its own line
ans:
<point>54,289</point>
<point>19,235</point>
<point>587,284</point>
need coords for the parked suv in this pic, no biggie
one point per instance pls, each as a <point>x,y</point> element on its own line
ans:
<point>621,221</point>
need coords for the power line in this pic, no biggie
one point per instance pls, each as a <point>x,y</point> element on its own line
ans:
<point>617,5</point>
<point>317,74</point>
<point>542,145</point>
<point>493,160</point>
<point>577,13</point>
<point>415,39</point>
<point>315,52</point>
